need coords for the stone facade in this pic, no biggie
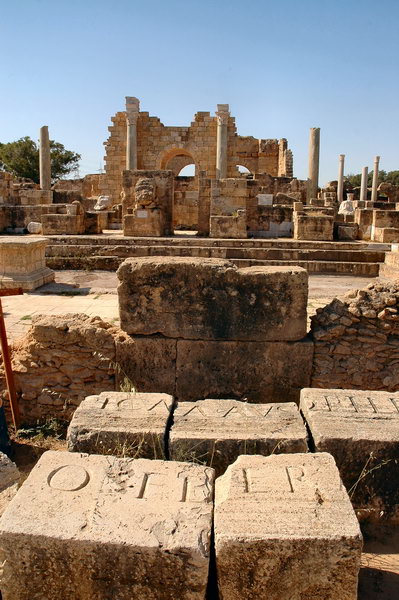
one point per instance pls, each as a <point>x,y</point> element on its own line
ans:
<point>162,147</point>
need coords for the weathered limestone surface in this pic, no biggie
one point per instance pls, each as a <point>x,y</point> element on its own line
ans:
<point>361,430</point>
<point>260,371</point>
<point>216,432</point>
<point>210,299</point>
<point>285,529</point>
<point>121,422</point>
<point>357,340</point>
<point>99,527</point>
<point>9,481</point>
<point>23,264</point>
<point>148,362</point>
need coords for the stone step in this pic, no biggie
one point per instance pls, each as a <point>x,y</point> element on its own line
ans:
<point>119,240</point>
<point>111,263</point>
<point>290,254</point>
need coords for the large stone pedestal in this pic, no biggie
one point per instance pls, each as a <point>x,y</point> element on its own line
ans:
<point>22,263</point>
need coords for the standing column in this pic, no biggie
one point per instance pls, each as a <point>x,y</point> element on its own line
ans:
<point>363,185</point>
<point>44,159</point>
<point>222,115</point>
<point>375,179</point>
<point>132,114</point>
<point>314,153</point>
<point>340,189</point>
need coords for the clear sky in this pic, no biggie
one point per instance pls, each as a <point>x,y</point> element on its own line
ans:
<point>283,66</point>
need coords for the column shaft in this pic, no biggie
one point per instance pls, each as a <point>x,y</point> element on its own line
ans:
<point>363,185</point>
<point>132,114</point>
<point>314,153</point>
<point>44,159</point>
<point>340,188</point>
<point>222,116</point>
<point>375,179</point>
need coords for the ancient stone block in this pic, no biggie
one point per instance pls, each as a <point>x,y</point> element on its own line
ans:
<point>258,371</point>
<point>9,481</point>
<point>313,227</point>
<point>121,423</point>
<point>146,363</point>
<point>100,527</point>
<point>216,432</point>
<point>361,430</point>
<point>285,529</point>
<point>23,263</point>
<point>196,298</point>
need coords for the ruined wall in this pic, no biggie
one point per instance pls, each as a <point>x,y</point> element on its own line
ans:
<point>163,147</point>
<point>185,204</point>
<point>356,340</point>
<point>63,359</point>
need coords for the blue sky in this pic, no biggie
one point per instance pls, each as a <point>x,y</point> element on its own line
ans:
<point>283,66</point>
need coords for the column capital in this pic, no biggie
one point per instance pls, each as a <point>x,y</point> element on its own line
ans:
<point>132,109</point>
<point>222,114</point>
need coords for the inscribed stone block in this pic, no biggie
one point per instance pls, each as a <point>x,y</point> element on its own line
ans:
<point>216,432</point>
<point>258,371</point>
<point>100,527</point>
<point>128,423</point>
<point>361,430</point>
<point>285,530</point>
<point>211,299</point>
<point>9,481</point>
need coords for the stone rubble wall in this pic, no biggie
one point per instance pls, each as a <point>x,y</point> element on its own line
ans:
<point>356,340</point>
<point>63,359</point>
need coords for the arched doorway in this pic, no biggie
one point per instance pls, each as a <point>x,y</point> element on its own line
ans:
<point>244,172</point>
<point>185,202</point>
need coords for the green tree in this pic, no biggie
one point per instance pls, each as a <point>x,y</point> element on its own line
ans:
<point>22,159</point>
<point>383,176</point>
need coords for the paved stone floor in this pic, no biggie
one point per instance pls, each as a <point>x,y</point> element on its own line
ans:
<point>94,293</point>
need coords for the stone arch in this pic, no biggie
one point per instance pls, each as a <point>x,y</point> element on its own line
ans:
<point>171,153</point>
<point>248,170</point>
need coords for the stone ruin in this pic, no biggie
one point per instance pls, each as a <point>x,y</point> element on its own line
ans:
<point>143,159</point>
<point>279,444</point>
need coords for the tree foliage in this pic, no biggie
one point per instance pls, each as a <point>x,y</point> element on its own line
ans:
<point>383,177</point>
<point>22,159</point>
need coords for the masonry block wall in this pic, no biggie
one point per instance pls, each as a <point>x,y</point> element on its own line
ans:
<point>163,147</point>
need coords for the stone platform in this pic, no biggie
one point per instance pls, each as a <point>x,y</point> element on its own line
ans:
<point>22,262</point>
<point>107,252</point>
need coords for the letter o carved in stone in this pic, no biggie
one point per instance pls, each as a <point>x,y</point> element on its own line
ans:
<point>69,478</point>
